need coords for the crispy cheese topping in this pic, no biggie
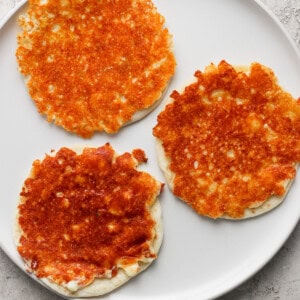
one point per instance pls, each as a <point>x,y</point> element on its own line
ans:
<point>232,139</point>
<point>91,65</point>
<point>84,216</point>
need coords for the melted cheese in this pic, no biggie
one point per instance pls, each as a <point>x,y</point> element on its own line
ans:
<point>96,65</point>
<point>85,216</point>
<point>231,139</point>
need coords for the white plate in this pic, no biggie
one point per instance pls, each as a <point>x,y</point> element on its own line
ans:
<point>200,258</point>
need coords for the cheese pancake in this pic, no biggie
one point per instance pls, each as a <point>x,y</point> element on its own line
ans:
<point>229,143</point>
<point>94,65</point>
<point>88,222</point>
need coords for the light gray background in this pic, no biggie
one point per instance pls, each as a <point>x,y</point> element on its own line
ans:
<point>279,279</point>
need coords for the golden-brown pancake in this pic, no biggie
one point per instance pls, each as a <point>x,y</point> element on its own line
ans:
<point>94,65</point>
<point>88,222</point>
<point>229,143</point>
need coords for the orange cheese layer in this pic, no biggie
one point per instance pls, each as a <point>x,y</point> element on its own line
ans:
<point>232,139</point>
<point>82,215</point>
<point>91,65</point>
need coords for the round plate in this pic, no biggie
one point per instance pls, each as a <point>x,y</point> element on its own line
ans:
<point>200,258</point>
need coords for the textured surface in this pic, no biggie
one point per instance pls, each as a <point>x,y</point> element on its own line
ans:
<point>279,279</point>
<point>114,73</point>
<point>226,112</point>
